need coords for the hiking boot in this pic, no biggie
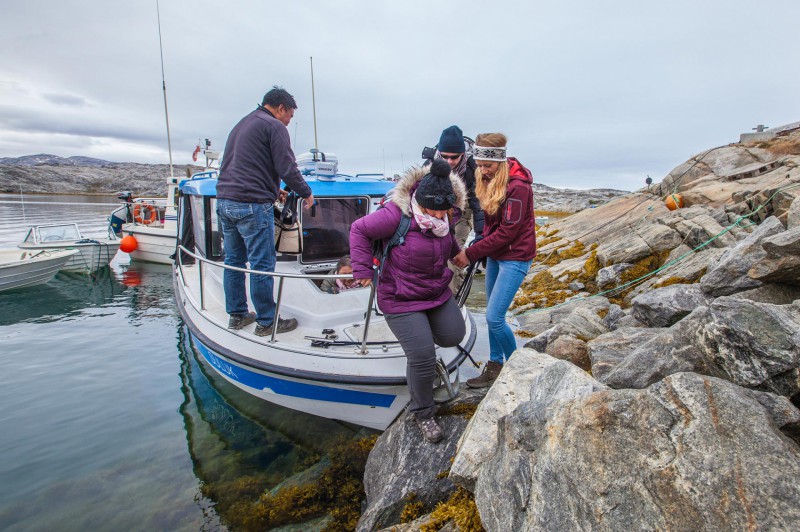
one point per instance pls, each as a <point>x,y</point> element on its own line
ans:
<point>237,321</point>
<point>430,429</point>
<point>283,326</point>
<point>485,379</point>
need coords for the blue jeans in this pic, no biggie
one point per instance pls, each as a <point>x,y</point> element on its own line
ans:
<point>248,232</point>
<point>503,279</point>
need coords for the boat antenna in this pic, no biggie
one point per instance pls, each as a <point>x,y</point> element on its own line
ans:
<point>314,104</point>
<point>164,87</point>
<point>22,199</point>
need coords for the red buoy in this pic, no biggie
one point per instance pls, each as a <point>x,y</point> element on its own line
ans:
<point>128,244</point>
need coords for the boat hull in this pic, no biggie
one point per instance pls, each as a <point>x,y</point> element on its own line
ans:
<point>90,256</point>
<point>369,391</point>
<point>21,269</point>
<point>153,244</point>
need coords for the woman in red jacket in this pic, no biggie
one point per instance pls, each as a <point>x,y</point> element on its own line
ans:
<point>504,188</point>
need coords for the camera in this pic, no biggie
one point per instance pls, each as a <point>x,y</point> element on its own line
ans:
<point>428,153</point>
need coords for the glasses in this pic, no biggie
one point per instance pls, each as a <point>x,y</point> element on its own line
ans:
<point>451,157</point>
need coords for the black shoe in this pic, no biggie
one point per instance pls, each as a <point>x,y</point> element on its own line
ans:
<point>283,326</point>
<point>237,321</point>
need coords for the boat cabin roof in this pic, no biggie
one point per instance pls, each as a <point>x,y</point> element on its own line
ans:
<point>343,186</point>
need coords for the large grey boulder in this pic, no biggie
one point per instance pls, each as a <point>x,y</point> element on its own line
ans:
<point>404,467</point>
<point>793,215</point>
<point>782,261</point>
<point>567,339</point>
<point>512,387</point>
<point>755,345</point>
<point>608,350</point>
<point>644,241</point>
<point>666,306</point>
<point>538,321</point>
<point>729,274</point>
<point>688,453</point>
<point>775,293</point>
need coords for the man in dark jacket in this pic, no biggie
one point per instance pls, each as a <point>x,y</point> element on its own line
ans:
<point>258,155</point>
<point>452,148</point>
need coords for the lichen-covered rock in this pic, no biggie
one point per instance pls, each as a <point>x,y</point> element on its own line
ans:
<point>610,275</point>
<point>729,274</point>
<point>403,467</point>
<point>689,452</point>
<point>793,215</point>
<point>755,345</point>
<point>781,263</point>
<point>666,306</point>
<point>608,350</point>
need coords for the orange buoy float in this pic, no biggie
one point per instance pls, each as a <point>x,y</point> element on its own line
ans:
<point>144,214</point>
<point>674,201</point>
<point>128,244</point>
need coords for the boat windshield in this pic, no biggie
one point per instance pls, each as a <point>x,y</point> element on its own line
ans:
<point>326,227</point>
<point>54,233</point>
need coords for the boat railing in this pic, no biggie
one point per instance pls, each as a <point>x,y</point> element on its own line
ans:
<point>281,277</point>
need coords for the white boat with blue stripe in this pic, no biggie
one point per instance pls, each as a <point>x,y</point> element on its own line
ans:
<point>342,362</point>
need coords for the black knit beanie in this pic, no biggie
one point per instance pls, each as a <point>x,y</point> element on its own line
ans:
<point>451,141</point>
<point>435,191</point>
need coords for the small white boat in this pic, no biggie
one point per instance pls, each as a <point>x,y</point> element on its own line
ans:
<point>542,220</point>
<point>93,253</point>
<point>152,223</point>
<point>20,269</point>
<point>342,362</point>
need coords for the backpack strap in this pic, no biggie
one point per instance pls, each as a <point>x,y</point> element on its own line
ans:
<point>397,239</point>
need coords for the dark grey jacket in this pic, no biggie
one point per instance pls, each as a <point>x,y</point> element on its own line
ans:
<point>258,155</point>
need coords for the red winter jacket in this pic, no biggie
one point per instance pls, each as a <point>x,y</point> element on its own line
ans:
<point>510,233</point>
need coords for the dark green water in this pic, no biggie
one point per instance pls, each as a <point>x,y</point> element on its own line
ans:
<point>109,420</point>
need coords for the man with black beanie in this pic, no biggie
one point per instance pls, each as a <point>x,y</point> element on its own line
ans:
<point>452,148</point>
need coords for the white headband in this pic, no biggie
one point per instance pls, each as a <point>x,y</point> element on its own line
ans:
<point>488,153</point>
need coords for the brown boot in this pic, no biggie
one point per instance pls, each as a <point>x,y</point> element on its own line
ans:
<point>490,373</point>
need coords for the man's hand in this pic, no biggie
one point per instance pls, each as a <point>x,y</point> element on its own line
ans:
<point>461,259</point>
<point>309,201</point>
<point>282,195</point>
<point>363,282</point>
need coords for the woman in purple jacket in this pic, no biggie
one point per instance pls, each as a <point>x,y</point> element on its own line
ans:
<point>413,288</point>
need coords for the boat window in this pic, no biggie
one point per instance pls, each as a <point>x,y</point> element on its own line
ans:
<point>216,235</point>
<point>326,227</point>
<point>199,225</point>
<point>54,233</point>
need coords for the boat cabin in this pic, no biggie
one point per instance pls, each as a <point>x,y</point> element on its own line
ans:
<point>39,234</point>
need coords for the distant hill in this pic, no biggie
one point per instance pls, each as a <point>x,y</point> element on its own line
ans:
<point>51,174</point>
<point>52,160</point>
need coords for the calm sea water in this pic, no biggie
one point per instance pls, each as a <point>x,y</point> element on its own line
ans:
<point>109,420</point>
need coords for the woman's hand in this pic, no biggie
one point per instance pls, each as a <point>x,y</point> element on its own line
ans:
<point>362,282</point>
<point>461,259</point>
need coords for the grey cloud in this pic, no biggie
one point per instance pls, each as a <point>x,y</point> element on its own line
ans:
<point>66,99</point>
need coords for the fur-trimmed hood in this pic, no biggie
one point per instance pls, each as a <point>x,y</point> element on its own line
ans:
<point>400,195</point>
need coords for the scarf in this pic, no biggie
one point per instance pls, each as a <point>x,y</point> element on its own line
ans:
<point>427,222</point>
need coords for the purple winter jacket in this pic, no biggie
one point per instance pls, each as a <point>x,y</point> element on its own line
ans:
<point>415,276</point>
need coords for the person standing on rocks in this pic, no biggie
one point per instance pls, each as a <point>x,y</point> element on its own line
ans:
<point>258,155</point>
<point>413,288</point>
<point>504,188</point>
<point>452,147</point>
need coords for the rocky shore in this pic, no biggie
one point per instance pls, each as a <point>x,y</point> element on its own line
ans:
<point>660,385</point>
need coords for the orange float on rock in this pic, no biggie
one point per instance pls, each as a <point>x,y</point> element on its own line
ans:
<point>673,201</point>
<point>128,244</point>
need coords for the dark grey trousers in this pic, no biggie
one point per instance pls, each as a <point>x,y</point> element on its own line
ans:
<point>417,333</point>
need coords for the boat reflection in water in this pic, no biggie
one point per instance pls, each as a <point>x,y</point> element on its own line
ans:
<point>66,295</point>
<point>242,447</point>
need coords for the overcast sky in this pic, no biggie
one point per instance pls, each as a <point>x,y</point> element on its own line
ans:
<point>591,93</point>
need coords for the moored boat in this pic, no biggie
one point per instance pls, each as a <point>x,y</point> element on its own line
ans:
<point>92,253</point>
<point>150,224</point>
<point>342,362</point>
<point>20,269</point>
